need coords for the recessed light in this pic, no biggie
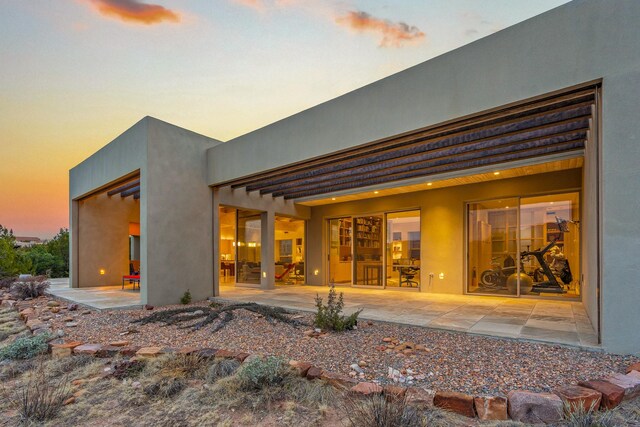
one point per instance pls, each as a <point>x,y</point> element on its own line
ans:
<point>496,173</point>
<point>333,198</point>
<point>376,192</point>
<point>429,184</point>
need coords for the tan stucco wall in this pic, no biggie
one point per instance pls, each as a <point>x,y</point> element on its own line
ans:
<point>442,223</point>
<point>103,227</point>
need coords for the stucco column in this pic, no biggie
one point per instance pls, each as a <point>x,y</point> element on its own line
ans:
<point>216,242</point>
<point>73,244</point>
<point>267,250</point>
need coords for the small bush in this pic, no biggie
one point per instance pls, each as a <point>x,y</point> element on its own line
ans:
<point>260,373</point>
<point>176,365</point>
<point>186,298</point>
<point>41,398</point>
<point>329,317</point>
<point>379,411</point>
<point>31,288</point>
<point>222,368</point>
<point>164,387</point>
<point>26,347</point>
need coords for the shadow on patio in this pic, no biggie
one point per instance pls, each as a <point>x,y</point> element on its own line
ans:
<point>100,297</point>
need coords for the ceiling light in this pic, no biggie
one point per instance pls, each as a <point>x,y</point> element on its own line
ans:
<point>496,173</point>
<point>429,184</point>
<point>376,192</point>
<point>333,198</point>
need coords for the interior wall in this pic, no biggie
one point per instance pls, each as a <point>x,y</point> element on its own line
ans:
<point>442,223</point>
<point>103,227</point>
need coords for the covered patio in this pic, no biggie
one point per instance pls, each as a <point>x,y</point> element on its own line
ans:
<point>557,322</point>
<point>99,297</point>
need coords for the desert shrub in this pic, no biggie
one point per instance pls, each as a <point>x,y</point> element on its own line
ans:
<point>164,387</point>
<point>222,368</point>
<point>13,369</point>
<point>26,347</point>
<point>576,415</point>
<point>40,397</point>
<point>186,297</point>
<point>310,392</point>
<point>33,287</point>
<point>65,365</point>
<point>128,369</point>
<point>260,373</point>
<point>176,365</point>
<point>330,316</point>
<point>379,411</point>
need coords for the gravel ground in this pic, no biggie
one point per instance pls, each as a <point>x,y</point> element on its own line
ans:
<point>452,361</point>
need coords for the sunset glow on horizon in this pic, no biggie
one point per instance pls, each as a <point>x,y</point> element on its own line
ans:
<point>77,73</point>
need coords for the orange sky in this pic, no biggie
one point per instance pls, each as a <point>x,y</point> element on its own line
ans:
<point>77,73</point>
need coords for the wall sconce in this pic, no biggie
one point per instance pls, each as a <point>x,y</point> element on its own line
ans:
<point>316,272</point>
<point>441,275</point>
<point>264,274</point>
<point>102,272</point>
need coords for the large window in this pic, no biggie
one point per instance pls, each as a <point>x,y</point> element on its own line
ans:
<point>289,250</point>
<point>524,246</point>
<point>249,246</point>
<point>403,249</point>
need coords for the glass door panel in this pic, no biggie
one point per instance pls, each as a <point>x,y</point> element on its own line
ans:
<point>492,247</point>
<point>368,250</point>
<point>249,229</point>
<point>403,249</point>
<point>340,250</point>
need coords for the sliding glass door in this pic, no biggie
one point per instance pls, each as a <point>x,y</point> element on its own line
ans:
<point>368,251</point>
<point>340,251</point>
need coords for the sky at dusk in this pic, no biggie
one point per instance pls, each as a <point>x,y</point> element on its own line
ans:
<point>75,74</point>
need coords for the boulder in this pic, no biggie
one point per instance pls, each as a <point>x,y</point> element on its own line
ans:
<point>207,353</point>
<point>634,367</point>
<point>150,352</point>
<point>630,383</point>
<point>419,396</point>
<point>575,396</point>
<point>72,307</point>
<point>366,389</point>
<point>314,373</point>
<point>63,349</point>
<point>225,354</point>
<point>53,303</point>
<point>612,395</point>
<point>240,357</point>
<point>128,351</point>
<point>301,367</point>
<point>337,380</point>
<point>108,351</point>
<point>534,408</point>
<point>455,402</point>
<point>119,343</point>
<point>90,349</point>
<point>491,408</point>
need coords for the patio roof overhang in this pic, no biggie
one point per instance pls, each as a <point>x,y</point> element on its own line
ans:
<point>547,127</point>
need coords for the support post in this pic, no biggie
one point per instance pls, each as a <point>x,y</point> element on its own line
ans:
<point>267,251</point>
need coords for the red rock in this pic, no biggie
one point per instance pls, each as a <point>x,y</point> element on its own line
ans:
<point>207,353</point>
<point>225,354</point>
<point>575,396</point>
<point>630,383</point>
<point>149,352</point>
<point>420,397</point>
<point>108,351</point>
<point>634,367</point>
<point>612,394</point>
<point>491,408</point>
<point>63,349</point>
<point>366,389</point>
<point>119,343</point>
<point>129,350</point>
<point>301,367</point>
<point>69,401</point>
<point>90,349</point>
<point>534,408</point>
<point>314,373</point>
<point>456,402</point>
<point>240,357</point>
<point>394,392</point>
<point>27,312</point>
<point>337,380</point>
<point>148,307</point>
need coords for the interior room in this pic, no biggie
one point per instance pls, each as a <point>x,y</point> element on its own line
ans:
<point>289,251</point>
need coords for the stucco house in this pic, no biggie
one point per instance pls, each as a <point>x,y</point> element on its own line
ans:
<point>506,167</point>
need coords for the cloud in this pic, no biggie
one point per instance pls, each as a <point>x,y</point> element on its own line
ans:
<point>393,34</point>
<point>134,11</point>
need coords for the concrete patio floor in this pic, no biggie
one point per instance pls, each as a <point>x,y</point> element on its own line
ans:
<point>559,322</point>
<point>101,297</point>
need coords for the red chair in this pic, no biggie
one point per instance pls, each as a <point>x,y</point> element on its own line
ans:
<point>132,277</point>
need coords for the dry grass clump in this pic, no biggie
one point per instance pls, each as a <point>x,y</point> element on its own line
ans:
<point>66,365</point>
<point>9,371</point>
<point>164,387</point>
<point>32,287</point>
<point>177,365</point>
<point>380,411</point>
<point>222,368</point>
<point>40,397</point>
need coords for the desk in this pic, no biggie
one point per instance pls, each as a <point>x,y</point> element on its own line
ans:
<point>371,273</point>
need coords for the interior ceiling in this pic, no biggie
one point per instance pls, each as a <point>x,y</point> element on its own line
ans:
<point>127,188</point>
<point>549,126</point>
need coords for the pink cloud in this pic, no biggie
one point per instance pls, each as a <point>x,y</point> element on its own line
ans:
<point>392,34</point>
<point>134,11</point>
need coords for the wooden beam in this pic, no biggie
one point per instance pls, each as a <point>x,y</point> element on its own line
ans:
<point>432,170</point>
<point>130,192</point>
<point>136,196</point>
<point>123,187</point>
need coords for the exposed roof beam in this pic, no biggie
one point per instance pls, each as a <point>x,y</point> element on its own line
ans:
<point>136,196</point>
<point>123,187</point>
<point>130,192</point>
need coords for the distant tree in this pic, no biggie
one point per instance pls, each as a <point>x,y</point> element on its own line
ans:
<point>58,247</point>
<point>8,254</point>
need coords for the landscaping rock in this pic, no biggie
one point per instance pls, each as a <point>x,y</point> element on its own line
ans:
<point>240,357</point>
<point>148,307</point>
<point>612,394</point>
<point>55,310</point>
<point>393,392</point>
<point>355,367</point>
<point>634,367</point>
<point>90,349</point>
<point>53,303</point>
<point>575,396</point>
<point>108,351</point>
<point>314,373</point>
<point>63,349</point>
<point>366,389</point>
<point>630,383</point>
<point>71,324</point>
<point>72,307</point>
<point>128,351</point>
<point>225,354</point>
<point>456,402</point>
<point>491,408</point>
<point>337,380</point>
<point>534,408</point>
<point>150,352</point>
<point>301,367</point>
<point>207,353</point>
<point>69,401</point>
<point>119,343</point>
